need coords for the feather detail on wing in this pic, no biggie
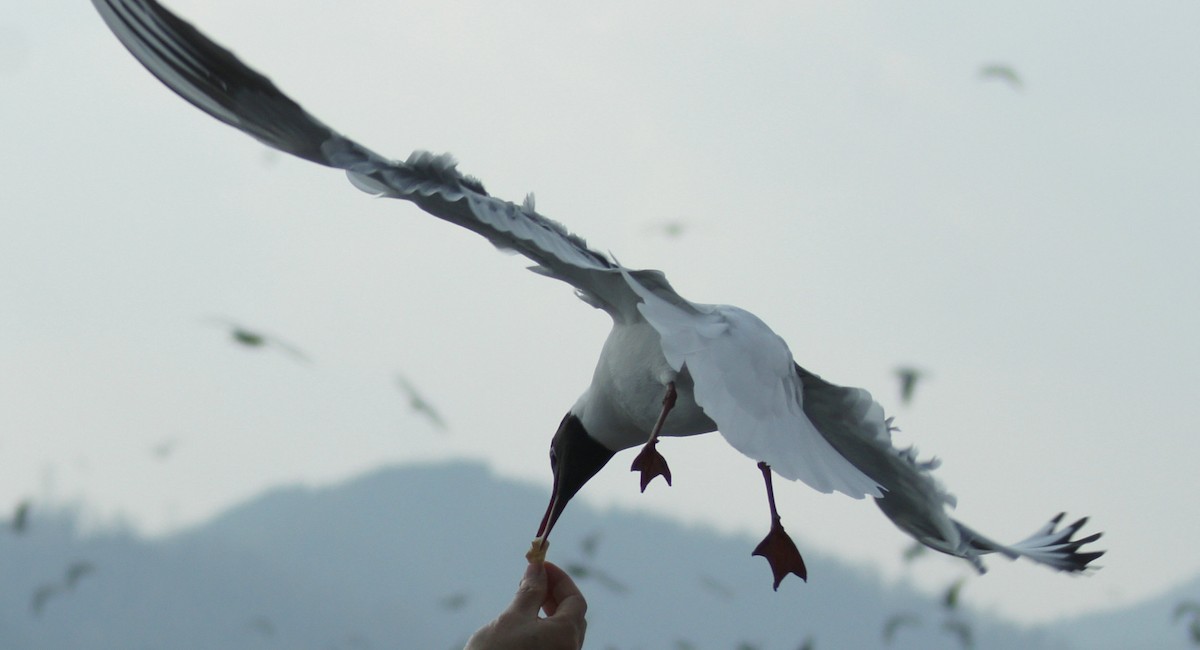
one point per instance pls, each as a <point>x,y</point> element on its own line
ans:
<point>217,82</point>
<point>744,380</point>
<point>854,424</point>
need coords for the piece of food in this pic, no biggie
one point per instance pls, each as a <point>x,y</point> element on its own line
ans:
<point>537,550</point>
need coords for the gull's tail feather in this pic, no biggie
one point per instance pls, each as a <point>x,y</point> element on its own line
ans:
<point>1049,545</point>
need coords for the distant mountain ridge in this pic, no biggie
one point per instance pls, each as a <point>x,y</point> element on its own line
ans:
<point>419,556</point>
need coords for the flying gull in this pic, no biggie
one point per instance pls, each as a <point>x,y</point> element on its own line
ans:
<point>669,367</point>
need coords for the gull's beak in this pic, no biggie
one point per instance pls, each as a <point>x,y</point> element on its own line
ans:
<point>575,457</point>
<point>557,505</point>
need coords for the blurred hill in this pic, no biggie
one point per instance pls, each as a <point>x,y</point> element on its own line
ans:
<point>419,556</point>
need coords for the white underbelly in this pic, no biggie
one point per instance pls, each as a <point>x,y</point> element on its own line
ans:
<point>625,399</point>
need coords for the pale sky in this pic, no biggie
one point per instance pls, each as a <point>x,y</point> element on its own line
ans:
<point>840,169</point>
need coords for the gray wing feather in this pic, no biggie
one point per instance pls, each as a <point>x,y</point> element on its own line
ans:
<point>218,83</point>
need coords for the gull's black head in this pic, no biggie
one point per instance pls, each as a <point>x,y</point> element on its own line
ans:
<point>575,457</point>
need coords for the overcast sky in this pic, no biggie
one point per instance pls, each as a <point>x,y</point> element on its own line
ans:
<point>840,169</point>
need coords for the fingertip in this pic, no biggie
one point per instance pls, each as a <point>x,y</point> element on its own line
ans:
<point>531,591</point>
<point>534,571</point>
<point>560,583</point>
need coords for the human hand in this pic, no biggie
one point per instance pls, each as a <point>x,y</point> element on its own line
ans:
<point>548,588</point>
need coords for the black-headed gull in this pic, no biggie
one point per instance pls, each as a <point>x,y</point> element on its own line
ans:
<point>669,367</point>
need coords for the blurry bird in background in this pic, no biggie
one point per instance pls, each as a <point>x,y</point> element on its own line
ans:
<point>20,519</point>
<point>961,631</point>
<point>908,376</point>
<point>251,338</point>
<point>951,597</point>
<point>71,577</point>
<point>263,625</point>
<point>896,621</point>
<point>76,572</point>
<point>588,571</point>
<point>1189,608</point>
<point>419,404</point>
<point>454,601</point>
<point>716,586</point>
<point>1001,72</point>
<point>669,228</point>
<point>163,449</point>
<point>41,596</point>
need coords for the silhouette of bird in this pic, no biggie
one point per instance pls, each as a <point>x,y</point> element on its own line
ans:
<point>1192,608</point>
<point>263,625</point>
<point>583,571</point>
<point>1185,607</point>
<point>670,228</point>
<point>76,572</point>
<point>251,338</point>
<point>419,404</point>
<point>962,632</point>
<point>1001,72</point>
<point>20,518</point>
<point>897,621</point>
<point>953,592</point>
<point>71,577</point>
<point>163,449</point>
<point>669,367</point>
<point>589,543</point>
<point>914,551</point>
<point>716,586</point>
<point>454,601</point>
<point>908,377</point>
<point>41,596</point>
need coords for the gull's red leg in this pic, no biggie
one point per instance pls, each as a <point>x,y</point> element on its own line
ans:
<point>777,546</point>
<point>649,462</point>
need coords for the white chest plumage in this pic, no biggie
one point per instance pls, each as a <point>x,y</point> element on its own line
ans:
<point>624,400</point>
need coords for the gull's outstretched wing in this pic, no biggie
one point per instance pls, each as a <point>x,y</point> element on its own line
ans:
<point>854,425</point>
<point>217,82</point>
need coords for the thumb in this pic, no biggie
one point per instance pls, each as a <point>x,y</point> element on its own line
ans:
<point>531,593</point>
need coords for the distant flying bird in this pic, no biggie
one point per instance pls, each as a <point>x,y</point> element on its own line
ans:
<point>163,449</point>
<point>419,404</point>
<point>1189,608</point>
<point>670,228</point>
<point>454,601</point>
<point>76,571</point>
<point>1186,607</point>
<point>914,551</point>
<point>41,596</point>
<point>581,571</point>
<point>961,631</point>
<point>589,543</point>
<point>953,592</point>
<point>670,367</point>
<point>1001,72</point>
<point>262,625</point>
<point>897,621</point>
<point>908,377</point>
<point>717,587</point>
<point>250,338</point>
<point>20,518</point>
